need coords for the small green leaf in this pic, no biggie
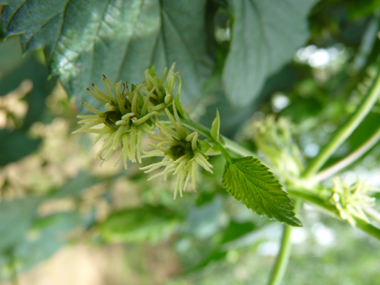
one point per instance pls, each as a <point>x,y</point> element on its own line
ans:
<point>249,181</point>
<point>204,146</point>
<point>215,128</point>
<point>177,101</point>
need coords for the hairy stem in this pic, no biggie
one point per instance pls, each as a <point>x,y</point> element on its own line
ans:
<point>373,140</point>
<point>284,254</point>
<point>345,131</point>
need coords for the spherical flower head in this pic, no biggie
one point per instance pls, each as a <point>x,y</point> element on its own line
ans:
<point>181,151</point>
<point>159,90</point>
<point>350,199</point>
<point>274,139</point>
<point>124,122</point>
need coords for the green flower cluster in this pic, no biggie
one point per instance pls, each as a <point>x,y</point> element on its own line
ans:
<point>182,153</point>
<point>350,200</point>
<point>274,139</point>
<point>131,113</point>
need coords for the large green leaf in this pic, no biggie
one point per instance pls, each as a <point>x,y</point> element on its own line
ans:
<point>44,237</point>
<point>139,224</point>
<point>265,36</point>
<point>249,181</point>
<point>85,39</point>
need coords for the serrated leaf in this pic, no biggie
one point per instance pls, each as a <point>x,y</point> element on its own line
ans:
<point>249,181</point>
<point>85,39</point>
<point>265,36</point>
<point>215,127</point>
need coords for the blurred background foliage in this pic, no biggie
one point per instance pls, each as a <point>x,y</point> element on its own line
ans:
<point>65,219</point>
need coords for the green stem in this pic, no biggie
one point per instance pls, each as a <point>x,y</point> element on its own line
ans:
<point>315,200</point>
<point>225,154</point>
<point>345,131</point>
<point>229,144</point>
<point>368,228</point>
<point>284,254</point>
<point>373,140</point>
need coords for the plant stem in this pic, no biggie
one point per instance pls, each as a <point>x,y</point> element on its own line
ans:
<point>314,200</point>
<point>345,131</point>
<point>332,211</point>
<point>368,228</point>
<point>284,254</point>
<point>373,140</point>
<point>230,145</point>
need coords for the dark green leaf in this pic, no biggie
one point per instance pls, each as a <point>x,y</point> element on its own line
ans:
<point>265,36</point>
<point>139,224</point>
<point>37,73</point>
<point>85,39</point>
<point>15,145</point>
<point>10,55</point>
<point>249,181</point>
<point>236,230</point>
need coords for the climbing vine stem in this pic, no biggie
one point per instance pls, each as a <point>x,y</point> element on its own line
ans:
<point>284,254</point>
<point>346,130</point>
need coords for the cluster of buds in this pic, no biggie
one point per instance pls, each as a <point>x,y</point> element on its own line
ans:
<point>125,120</point>
<point>274,139</point>
<point>131,113</point>
<point>350,200</point>
<point>182,152</point>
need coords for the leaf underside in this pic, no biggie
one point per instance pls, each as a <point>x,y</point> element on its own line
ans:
<point>249,181</point>
<point>85,39</point>
<point>265,36</point>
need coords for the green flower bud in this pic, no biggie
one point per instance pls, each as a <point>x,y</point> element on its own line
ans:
<point>123,124</point>
<point>160,90</point>
<point>182,153</point>
<point>351,199</point>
